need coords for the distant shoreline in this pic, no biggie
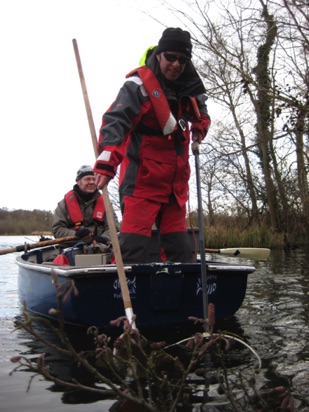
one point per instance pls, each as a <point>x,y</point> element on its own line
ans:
<point>44,233</point>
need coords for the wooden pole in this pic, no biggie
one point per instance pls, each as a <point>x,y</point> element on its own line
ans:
<point>43,243</point>
<point>108,207</point>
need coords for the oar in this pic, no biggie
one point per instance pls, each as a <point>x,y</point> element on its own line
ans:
<point>243,252</point>
<point>108,207</point>
<point>28,246</point>
<point>196,152</point>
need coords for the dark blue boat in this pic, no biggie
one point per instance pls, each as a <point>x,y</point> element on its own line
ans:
<point>162,294</point>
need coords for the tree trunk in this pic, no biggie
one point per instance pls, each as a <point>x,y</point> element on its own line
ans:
<point>301,166</point>
<point>263,104</point>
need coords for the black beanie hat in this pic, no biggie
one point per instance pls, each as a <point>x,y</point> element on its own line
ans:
<point>175,39</point>
<point>84,171</point>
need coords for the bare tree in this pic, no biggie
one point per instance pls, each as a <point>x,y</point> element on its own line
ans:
<point>246,52</point>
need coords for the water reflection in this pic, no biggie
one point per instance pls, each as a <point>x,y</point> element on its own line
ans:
<point>275,316</point>
<point>273,320</point>
<point>59,365</point>
<point>238,359</point>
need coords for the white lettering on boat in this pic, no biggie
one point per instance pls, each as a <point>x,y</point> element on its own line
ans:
<point>131,286</point>
<point>211,285</point>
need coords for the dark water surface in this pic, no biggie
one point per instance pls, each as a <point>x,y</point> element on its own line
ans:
<point>274,319</point>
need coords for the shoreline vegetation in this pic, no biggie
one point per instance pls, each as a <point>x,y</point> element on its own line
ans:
<point>225,231</point>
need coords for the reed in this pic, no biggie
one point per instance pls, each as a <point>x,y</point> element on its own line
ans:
<point>224,230</point>
<point>255,236</point>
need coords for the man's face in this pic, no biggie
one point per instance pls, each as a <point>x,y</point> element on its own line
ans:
<point>172,64</point>
<point>87,184</point>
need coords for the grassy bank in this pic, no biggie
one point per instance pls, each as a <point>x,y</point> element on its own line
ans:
<point>258,236</point>
<point>224,231</point>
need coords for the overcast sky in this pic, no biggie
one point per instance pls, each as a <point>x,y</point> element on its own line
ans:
<point>44,132</point>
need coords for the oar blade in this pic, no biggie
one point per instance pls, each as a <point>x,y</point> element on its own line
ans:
<point>247,252</point>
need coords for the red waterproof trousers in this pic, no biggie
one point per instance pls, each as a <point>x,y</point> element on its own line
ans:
<point>139,216</point>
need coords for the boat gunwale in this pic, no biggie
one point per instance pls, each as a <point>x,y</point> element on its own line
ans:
<point>79,270</point>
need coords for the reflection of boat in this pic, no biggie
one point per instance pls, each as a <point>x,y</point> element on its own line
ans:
<point>162,294</point>
<point>60,365</point>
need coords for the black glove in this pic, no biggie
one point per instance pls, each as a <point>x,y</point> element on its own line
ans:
<point>43,238</point>
<point>82,233</point>
<point>102,239</point>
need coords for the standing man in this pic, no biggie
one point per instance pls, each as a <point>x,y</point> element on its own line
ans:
<point>81,212</point>
<point>146,131</point>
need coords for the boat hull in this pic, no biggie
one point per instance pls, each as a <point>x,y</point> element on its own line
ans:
<point>161,294</point>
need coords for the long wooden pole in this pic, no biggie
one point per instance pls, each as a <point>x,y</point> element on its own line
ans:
<point>43,243</point>
<point>108,207</point>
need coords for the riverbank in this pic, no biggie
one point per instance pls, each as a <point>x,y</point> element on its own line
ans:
<point>224,232</point>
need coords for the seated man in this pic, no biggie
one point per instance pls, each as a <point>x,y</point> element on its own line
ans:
<point>81,212</point>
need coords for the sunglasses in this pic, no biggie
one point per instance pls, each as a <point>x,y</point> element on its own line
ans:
<point>173,57</point>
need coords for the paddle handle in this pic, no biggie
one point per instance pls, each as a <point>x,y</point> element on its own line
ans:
<point>212,250</point>
<point>28,246</point>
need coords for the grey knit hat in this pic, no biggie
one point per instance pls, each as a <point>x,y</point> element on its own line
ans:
<point>84,171</point>
<point>175,39</point>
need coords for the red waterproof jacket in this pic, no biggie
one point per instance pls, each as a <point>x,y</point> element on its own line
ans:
<point>141,132</point>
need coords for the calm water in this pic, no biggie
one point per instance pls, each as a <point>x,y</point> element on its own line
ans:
<point>274,319</point>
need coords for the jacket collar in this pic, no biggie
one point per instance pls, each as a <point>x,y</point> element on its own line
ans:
<point>188,84</point>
